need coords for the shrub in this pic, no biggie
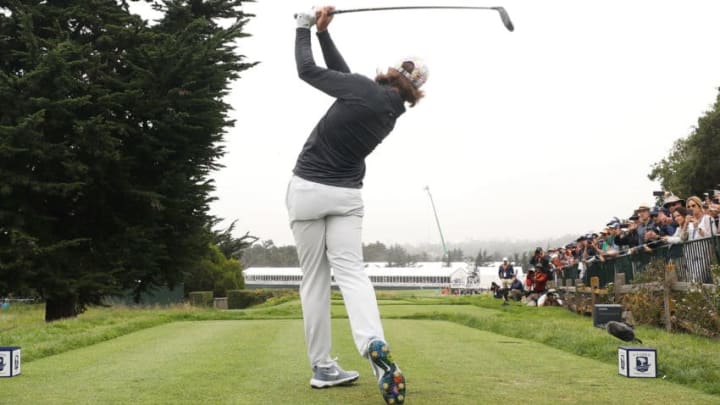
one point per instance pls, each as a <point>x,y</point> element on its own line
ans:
<point>281,296</point>
<point>696,311</point>
<point>239,299</point>
<point>201,298</point>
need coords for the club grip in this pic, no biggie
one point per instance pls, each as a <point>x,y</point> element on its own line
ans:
<point>331,13</point>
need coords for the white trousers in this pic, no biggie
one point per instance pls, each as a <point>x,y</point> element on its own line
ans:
<point>326,222</point>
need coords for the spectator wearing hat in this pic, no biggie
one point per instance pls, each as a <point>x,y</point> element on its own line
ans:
<point>543,260</point>
<point>643,212</point>
<point>506,273</point>
<point>589,250</point>
<point>540,280</point>
<point>609,246</point>
<point>539,257</point>
<point>627,237</point>
<point>580,247</point>
<point>672,202</point>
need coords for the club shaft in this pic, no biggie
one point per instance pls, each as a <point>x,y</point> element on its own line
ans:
<point>358,10</point>
<point>503,14</point>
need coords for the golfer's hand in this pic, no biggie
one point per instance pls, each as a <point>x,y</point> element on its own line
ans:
<point>305,19</point>
<point>324,17</point>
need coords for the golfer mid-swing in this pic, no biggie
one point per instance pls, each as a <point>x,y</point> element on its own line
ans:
<point>325,205</point>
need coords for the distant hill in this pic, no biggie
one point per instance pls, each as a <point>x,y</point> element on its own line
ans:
<point>497,249</point>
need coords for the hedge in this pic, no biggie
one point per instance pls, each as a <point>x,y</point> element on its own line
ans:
<point>201,298</point>
<point>239,299</point>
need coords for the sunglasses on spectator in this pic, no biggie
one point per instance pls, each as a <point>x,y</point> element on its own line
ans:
<point>692,205</point>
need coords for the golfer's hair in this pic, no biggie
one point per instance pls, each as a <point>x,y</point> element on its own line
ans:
<point>408,92</point>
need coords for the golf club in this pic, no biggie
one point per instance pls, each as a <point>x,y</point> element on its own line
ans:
<point>503,14</point>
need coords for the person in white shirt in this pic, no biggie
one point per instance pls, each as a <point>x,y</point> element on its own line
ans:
<point>699,224</point>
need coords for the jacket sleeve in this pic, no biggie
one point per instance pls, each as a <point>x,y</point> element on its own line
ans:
<point>333,59</point>
<point>332,82</point>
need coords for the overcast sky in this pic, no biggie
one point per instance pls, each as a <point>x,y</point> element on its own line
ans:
<point>545,131</point>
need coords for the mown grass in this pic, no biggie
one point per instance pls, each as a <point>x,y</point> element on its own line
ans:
<point>263,362</point>
<point>686,360</point>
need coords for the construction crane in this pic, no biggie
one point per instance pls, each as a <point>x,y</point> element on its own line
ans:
<point>446,254</point>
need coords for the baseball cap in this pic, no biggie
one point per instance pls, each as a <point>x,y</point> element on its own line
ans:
<point>414,69</point>
<point>614,220</point>
<point>505,259</point>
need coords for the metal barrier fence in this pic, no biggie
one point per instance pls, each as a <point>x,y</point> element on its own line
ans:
<point>692,262</point>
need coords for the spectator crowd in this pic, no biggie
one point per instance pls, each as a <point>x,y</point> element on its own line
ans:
<point>676,220</point>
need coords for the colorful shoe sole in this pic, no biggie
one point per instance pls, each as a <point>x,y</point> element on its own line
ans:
<point>392,383</point>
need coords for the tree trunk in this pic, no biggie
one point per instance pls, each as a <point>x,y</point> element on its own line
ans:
<point>59,308</point>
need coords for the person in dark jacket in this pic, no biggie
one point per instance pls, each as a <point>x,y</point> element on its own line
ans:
<point>325,206</point>
<point>543,260</point>
<point>516,289</point>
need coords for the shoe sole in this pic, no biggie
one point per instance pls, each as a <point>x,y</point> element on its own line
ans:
<point>327,384</point>
<point>392,383</point>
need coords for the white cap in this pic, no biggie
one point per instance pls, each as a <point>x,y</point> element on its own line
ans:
<point>505,259</point>
<point>414,69</point>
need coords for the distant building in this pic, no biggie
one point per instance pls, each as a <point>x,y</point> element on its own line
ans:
<point>458,276</point>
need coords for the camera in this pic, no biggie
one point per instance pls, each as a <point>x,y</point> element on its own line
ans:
<point>658,193</point>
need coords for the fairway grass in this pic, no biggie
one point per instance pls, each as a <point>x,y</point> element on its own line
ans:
<point>263,362</point>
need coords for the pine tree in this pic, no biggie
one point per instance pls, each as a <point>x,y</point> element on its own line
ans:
<point>109,130</point>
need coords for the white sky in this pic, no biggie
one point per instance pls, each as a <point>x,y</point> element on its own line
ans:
<point>545,131</point>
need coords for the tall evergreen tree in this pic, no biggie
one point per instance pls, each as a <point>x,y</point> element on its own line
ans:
<point>109,130</point>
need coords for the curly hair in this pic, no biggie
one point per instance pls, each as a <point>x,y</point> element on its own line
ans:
<point>407,91</point>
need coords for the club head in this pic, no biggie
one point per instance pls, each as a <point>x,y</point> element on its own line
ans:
<point>505,18</point>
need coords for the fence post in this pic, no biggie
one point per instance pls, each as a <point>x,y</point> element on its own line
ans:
<point>670,279</point>
<point>619,282</point>
<point>594,286</point>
